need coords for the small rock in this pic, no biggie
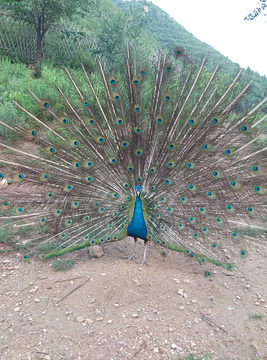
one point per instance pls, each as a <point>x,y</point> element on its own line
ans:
<point>238,297</point>
<point>135,315</point>
<point>254,346</point>
<point>174,346</point>
<point>194,301</point>
<point>156,350</point>
<point>96,251</point>
<point>109,322</point>
<point>89,321</point>
<point>36,300</point>
<point>180,291</point>
<point>207,312</point>
<point>17,309</point>
<point>80,319</point>
<point>33,290</point>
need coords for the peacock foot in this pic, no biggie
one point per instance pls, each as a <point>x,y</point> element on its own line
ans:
<point>142,263</point>
<point>129,258</point>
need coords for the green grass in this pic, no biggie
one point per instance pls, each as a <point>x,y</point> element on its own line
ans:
<point>201,357</point>
<point>63,265</point>
<point>256,316</point>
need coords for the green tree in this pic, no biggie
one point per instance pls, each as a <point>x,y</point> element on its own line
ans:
<point>116,27</point>
<point>42,14</point>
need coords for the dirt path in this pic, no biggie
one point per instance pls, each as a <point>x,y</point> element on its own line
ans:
<point>164,311</point>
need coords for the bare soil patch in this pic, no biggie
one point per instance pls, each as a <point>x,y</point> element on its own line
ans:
<point>164,311</point>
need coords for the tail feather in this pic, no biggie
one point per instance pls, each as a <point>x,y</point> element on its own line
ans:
<point>176,130</point>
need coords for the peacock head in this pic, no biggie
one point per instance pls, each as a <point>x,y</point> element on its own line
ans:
<point>138,190</point>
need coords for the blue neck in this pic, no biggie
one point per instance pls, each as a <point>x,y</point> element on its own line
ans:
<point>137,227</point>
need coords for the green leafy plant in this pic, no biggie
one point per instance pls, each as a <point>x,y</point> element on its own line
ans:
<point>63,265</point>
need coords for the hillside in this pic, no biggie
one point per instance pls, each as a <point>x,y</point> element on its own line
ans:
<point>166,33</point>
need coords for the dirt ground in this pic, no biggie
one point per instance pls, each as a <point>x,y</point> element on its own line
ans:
<point>167,310</point>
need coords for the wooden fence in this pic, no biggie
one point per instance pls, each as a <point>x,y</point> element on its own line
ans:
<point>60,43</point>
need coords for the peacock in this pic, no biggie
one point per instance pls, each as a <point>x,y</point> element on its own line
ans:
<point>163,150</point>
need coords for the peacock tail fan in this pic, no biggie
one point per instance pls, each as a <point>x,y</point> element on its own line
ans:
<point>189,137</point>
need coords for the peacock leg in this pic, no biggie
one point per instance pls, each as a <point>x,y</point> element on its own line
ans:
<point>132,257</point>
<point>144,258</point>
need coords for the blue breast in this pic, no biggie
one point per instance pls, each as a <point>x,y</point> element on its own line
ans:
<point>137,227</point>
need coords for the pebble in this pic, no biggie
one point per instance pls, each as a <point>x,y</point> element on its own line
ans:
<point>17,309</point>
<point>80,319</point>
<point>174,346</point>
<point>32,291</point>
<point>109,322</point>
<point>36,300</point>
<point>254,346</point>
<point>180,291</point>
<point>135,315</point>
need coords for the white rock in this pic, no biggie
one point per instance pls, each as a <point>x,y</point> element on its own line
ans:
<point>33,290</point>
<point>80,319</point>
